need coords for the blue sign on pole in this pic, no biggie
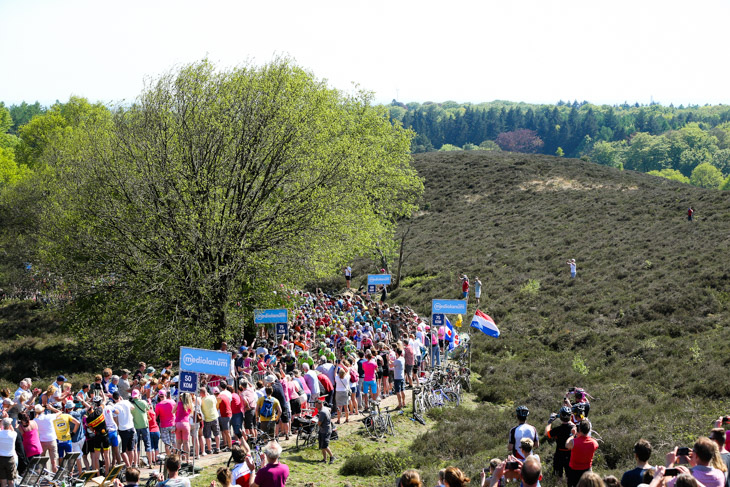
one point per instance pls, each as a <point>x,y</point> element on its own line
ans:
<point>371,288</point>
<point>281,328</point>
<point>266,316</point>
<point>448,306</point>
<point>205,361</point>
<point>378,279</point>
<point>437,319</point>
<point>188,382</point>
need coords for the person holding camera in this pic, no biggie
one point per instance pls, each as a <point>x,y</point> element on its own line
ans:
<point>529,472</point>
<point>582,448</point>
<point>700,461</point>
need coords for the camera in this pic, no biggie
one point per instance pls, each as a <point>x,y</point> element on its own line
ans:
<point>671,472</point>
<point>512,465</point>
<point>682,451</point>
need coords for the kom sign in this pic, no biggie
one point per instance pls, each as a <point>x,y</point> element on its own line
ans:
<point>205,361</point>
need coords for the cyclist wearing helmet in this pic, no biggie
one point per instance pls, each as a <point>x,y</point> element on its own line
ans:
<point>560,430</point>
<point>522,430</point>
<point>578,413</point>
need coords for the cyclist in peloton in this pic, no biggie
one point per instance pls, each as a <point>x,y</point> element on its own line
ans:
<point>522,430</point>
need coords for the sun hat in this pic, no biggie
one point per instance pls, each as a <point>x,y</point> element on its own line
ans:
<point>135,393</point>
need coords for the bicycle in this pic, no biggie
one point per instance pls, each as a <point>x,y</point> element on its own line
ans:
<point>256,445</point>
<point>307,433</point>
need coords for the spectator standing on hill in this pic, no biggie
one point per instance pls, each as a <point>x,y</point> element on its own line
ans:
<point>324,421</point>
<point>560,430</point>
<point>635,476</point>
<point>211,428</point>
<point>571,263</point>
<point>522,430</point>
<point>690,214</point>
<point>582,448</point>
<point>464,286</point>
<point>348,276</point>
<point>7,453</point>
<point>477,290</point>
<point>411,478</point>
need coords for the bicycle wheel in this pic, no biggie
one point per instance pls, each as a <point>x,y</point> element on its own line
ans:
<point>370,426</point>
<point>151,482</point>
<point>302,438</point>
<point>390,426</point>
<point>453,398</point>
<point>230,462</point>
<point>419,418</point>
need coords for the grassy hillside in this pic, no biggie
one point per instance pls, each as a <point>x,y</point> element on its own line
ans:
<point>642,328</point>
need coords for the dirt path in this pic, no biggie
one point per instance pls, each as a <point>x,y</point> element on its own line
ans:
<point>343,429</point>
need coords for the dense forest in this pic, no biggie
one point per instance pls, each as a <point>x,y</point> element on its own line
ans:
<point>688,144</point>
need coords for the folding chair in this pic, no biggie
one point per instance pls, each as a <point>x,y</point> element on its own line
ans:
<point>109,479</point>
<point>65,469</point>
<point>34,472</point>
<point>81,480</point>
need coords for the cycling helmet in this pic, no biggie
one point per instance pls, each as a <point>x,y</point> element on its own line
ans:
<point>522,412</point>
<point>578,408</point>
<point>565,413</point>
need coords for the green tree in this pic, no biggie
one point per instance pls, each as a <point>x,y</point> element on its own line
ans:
<point>213,188</point>
<point>449,148</point>
<point>608,153</point>
<point>706,176</point>
<point>559,152</point>
<point>672,174</point>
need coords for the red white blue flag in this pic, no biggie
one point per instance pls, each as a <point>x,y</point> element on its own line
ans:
<point>484,323</point>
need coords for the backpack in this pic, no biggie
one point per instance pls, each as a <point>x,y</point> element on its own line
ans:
<point>267,408</point>
<point>353,376</point>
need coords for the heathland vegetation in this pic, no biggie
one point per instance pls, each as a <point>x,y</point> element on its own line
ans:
<point>642,328</point>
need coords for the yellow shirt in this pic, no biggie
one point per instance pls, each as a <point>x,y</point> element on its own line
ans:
<point>62,424</point>
<point>209,408</point>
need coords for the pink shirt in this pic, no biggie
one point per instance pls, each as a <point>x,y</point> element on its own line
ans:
<point>181,415</point>
<point>369,367</point>
<point>304,385</point>
<point>164,412</point>
<point>290,389</point>
<point>235,404</point>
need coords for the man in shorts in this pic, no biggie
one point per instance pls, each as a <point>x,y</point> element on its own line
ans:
<point>399,365</point>
<point>112,431</point>
<point>211,428</point>
<point>127,436</point>
<point>96,433</point>
<point>65,425</point>
<point>165,411</point>
<point>7,452</point>
<point>369,386</point>
<point>324,420</point>
<point>268,411</point>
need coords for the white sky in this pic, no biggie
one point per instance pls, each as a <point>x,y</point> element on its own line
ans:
<point>540,51</point>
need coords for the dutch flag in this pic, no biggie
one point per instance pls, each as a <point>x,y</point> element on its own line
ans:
<point>485,324</point>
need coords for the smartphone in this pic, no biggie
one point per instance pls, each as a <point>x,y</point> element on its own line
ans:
<point>572,389</point>
<point>671,472</point>
<point>512,465</point>
<point>684,451</point>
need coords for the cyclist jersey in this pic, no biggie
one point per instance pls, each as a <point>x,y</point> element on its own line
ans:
<point>95,422</point>
<point>516,434</point>
<point>62,423</point>
<point>560,433</point>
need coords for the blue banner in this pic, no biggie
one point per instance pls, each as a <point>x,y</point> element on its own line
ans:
<point>264,316</point>
<point>372,288</point>
<point>437,319</point>
<point>188,382</point>
<point>448,306</point>
<point>378,279</point>
<point>205,361</point>
<point>281,328</point>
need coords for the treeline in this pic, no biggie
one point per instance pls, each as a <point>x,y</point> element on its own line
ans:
<point>643,138</point>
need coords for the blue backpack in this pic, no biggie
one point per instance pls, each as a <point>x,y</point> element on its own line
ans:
<point>267,408</point>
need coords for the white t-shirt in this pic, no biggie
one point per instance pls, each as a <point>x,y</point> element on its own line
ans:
<point>239,471</point>
<point>46,431</point>
<point>398,366</point>
<point>342,384</point>
<point>109,418</point>
<point>522,431</point>
<point>7,443</point>
<point>123,411</point>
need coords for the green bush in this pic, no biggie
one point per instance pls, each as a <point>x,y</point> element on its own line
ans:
<point>376,464</point>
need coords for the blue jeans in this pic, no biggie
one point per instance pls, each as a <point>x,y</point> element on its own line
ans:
<point>143,435</point>
<point>237,423</point>
<point>435,355</point>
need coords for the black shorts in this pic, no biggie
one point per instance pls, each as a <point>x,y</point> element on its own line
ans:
<point>296,406</point>
<point>409,369</point>
<point>285,416</point>
<point>324,439</point>
<point>249,419</point>
<point>99,443</point>
<point>126,440</point>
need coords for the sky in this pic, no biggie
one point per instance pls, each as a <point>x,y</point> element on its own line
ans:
<point>536,51</point>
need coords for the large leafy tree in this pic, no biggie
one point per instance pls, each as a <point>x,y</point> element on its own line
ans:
<point>181,212</point>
